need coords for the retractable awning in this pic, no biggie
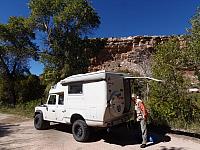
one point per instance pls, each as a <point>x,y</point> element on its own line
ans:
<point>149,78</point>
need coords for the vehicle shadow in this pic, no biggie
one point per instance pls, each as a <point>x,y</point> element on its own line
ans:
<point>120,135</point>
<point>129,135</point>
<point>5,129</point>
<point>61,127</point>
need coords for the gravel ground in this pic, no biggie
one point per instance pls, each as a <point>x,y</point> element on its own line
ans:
<point>19,134</point>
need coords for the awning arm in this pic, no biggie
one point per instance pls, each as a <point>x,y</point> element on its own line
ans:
<point>149,78</point>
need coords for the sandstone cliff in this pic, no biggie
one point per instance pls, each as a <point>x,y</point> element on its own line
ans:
<point>126,54</point>
<point>130,54</point>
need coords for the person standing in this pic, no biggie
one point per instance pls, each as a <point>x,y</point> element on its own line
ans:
<point>141,117</point>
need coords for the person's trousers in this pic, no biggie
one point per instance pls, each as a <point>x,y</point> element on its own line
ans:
<point>143,125</point>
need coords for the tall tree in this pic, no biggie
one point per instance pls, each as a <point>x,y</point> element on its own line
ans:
<point>166,66</point>
<point>170,101</point>
<point>64,24</point>
<point>194,43</point>
<point>28,88</point>
<point>16,47</point>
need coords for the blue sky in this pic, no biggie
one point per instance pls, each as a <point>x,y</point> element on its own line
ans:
<point>122,18</point>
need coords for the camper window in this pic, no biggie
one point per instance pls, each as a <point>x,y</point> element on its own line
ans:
<point>75,89</point>
<point>52,100</point>
<point>61,99</point>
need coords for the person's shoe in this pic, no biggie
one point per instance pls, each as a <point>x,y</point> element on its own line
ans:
<point>143,146</point>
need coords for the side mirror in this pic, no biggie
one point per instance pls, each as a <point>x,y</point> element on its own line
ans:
<point>41,103</point>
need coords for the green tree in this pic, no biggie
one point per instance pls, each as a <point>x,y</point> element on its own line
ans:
<point>64,24</point>
<point>194,44</point>
<point>28,88</point>
<point>16,48</point>
<point>169,101</point>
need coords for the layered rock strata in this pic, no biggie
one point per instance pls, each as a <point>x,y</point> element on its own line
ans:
<point>131,54</point>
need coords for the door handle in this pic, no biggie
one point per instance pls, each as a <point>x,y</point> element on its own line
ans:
<point>53,110</point>
<point>64,111</point>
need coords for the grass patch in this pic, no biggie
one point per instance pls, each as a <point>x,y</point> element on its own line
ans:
<point>26,109</point>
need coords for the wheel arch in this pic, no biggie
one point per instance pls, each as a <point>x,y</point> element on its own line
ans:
<point>75,117</point>
<point>38,112</point>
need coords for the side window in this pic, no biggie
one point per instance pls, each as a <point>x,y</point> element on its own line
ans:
<point>52,100</point>
<point>61,99</point>
<point>75,89</point>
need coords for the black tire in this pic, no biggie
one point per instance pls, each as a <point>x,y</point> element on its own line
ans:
<point>80,131</point>
<point>39,123</point>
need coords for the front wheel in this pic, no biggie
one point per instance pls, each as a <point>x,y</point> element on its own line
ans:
<point>80,131</point>
<point>39,123</point>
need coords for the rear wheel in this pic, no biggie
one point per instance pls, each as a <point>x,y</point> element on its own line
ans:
<point>80,131</point>
<point>39,123</point>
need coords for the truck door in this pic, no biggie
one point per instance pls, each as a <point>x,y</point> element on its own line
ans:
<point>51,107</point>
<point>60,108</point>
<point>116,95</point>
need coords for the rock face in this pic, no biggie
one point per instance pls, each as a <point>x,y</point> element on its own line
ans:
<point>131,54</point>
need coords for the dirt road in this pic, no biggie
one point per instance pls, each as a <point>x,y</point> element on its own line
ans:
<point>18,133</point>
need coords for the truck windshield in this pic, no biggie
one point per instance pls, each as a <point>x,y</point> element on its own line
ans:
<point>52,100</point>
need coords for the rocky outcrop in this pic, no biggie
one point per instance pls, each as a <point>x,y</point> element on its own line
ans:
<point>131,54</point>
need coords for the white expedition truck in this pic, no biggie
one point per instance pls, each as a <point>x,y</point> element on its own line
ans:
<point>96,99</point>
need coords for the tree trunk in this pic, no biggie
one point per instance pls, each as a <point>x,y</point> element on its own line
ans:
<point>9,87</point>
<point>9,83</point>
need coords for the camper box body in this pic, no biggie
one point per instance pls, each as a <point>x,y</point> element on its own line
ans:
<point>101,99</point>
